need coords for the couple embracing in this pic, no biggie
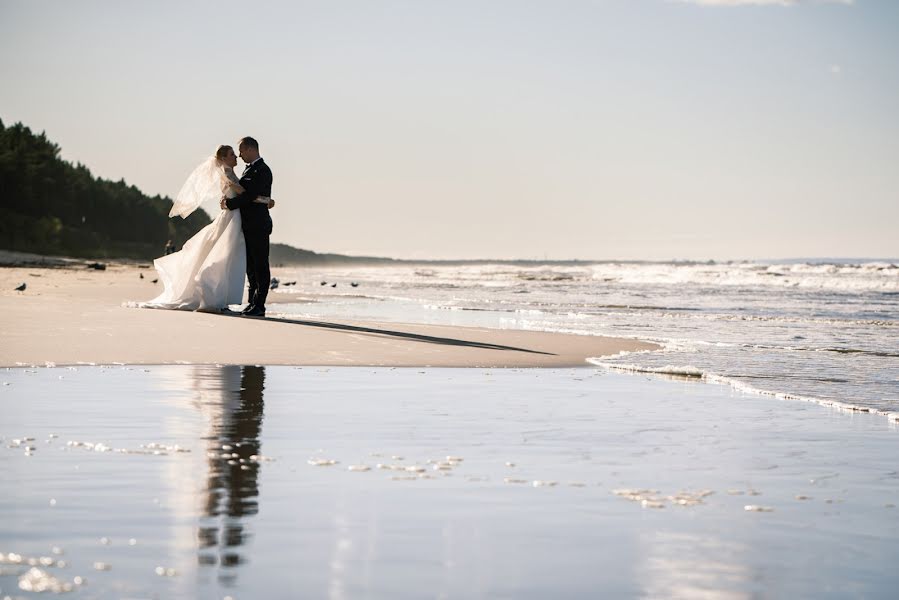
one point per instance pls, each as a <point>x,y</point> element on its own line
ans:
<point>207,274</point>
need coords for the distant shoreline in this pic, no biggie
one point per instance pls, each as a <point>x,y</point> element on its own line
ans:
<point>10,258</point>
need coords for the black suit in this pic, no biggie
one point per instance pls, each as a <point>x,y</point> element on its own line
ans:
<point>257,227</point>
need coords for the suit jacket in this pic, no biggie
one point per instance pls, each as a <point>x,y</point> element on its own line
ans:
<point>254,217</point>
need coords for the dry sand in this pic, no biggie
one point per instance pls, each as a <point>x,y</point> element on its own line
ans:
<point>74,315</point>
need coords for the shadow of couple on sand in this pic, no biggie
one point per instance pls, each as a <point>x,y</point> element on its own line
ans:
<point>393,333</point>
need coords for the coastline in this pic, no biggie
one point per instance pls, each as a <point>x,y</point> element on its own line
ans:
<point>692,485</point>
<point>693,374</point>
<point>73,315</point>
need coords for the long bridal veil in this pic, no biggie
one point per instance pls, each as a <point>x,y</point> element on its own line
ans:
<point>208,272</point>
<point>202,188</point>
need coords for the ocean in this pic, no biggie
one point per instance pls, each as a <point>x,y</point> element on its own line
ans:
<point>820,331</point>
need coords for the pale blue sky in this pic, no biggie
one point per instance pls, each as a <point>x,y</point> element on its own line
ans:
<point>633,129</point>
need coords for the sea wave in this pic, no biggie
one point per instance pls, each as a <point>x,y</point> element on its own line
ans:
<point>695,373</point>
<point>808,329</point>
<point>875,277</point>
<point>765,318</point>
<point>861,351</point>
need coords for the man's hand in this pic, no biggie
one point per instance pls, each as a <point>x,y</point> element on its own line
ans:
<point>222,203</point>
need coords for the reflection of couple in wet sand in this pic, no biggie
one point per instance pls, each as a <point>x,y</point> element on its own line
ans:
<point>207,274</point>
<point>234,406</point>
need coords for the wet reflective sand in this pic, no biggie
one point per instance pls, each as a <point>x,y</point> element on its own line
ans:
<point>281,482</point>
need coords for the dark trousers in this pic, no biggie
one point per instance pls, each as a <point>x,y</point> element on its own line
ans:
<point>258,274</point>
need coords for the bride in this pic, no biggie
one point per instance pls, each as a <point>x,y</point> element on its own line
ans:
<point>207,274</point>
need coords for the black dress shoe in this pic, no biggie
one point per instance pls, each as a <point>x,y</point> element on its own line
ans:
<point>258,311</point>
<point>247,309</point>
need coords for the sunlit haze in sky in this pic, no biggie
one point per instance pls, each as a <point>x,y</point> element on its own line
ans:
<point>631,129</point>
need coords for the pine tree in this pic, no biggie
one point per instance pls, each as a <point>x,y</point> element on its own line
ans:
<point>51,206</point>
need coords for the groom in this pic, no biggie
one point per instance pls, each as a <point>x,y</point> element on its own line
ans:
<point>256,223</point>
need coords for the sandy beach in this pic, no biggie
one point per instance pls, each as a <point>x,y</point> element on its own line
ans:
<point>75,315</point>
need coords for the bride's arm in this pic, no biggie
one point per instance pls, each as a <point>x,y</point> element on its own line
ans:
<point>254,187</point>
<point>230,185</point>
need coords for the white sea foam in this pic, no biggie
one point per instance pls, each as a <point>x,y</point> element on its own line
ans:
<point>742,386</point>
<point>868,276</point>
<point>801,329</point>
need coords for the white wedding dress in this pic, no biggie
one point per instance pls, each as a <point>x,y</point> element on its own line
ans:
<point>207,274</point>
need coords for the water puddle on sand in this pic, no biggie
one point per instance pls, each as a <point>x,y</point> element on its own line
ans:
<point>248,482</point>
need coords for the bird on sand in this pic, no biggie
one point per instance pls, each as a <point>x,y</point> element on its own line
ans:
<point>155,280</point>
<point>141,275</point>
<point>22,287</point>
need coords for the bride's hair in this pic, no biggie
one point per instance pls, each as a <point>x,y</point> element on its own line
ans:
<point>221,152</point>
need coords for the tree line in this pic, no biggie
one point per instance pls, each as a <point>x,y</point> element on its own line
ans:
<point>51,206</point>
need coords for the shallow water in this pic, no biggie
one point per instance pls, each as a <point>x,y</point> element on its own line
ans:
<point>534,485</point>
<point>821,331</point>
